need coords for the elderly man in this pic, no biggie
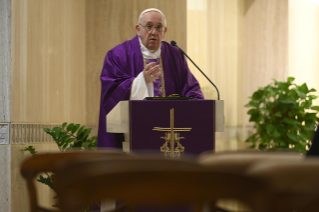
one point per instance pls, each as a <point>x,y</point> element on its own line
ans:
<point>143,67</point>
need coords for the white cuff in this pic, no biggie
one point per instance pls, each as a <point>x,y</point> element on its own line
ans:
<point>139,88</point>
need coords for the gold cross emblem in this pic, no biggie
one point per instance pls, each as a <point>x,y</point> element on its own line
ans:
<point>172,136</point>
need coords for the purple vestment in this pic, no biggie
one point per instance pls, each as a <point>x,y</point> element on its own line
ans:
<point>122,64</point>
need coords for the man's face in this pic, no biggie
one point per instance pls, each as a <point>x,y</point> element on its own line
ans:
<point>151,39</point>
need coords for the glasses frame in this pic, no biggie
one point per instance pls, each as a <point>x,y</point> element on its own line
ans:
<point>149,31</point>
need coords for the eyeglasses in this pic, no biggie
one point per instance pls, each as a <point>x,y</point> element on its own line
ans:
<point>149,28</point>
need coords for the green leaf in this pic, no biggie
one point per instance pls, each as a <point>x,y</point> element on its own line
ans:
<point>64,124</point>
<point>70,140</point>
<point>301,94</point>
<point>252,147</point>
<point>301,147</point>
<point>65,138</point>
<point>290,79</point>
<point>262,146</point>
<point>288,101</point>
<point>251,111</point>
<point>85,144</point>
<point>252,104</point>
<point>56,136</point>
<point>46,180</point>
<point>70,127</point>
<point>30,149</point>
<point>310,116</point>
<point>75,128</point>
<point>258,95</point>
<point>57,129</point>
<point>293,136</point>
<point>312,97</point>
<point>278,114</point>
<point>80,131</point>
<point>312,90</point>
<point>270,128</point>
<point>304,88</point>
<point>65,146</point>
<point>290,121</point>
<point>62,135</point>
<point>307,104</point>
<point>47,130</point>
<point>275,134</point>
<point>315,108</point>
<point>86,132</point>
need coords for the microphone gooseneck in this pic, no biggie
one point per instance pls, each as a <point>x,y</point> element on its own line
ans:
<point>173,43</point>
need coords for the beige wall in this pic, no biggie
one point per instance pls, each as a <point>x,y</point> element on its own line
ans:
<point>241,45</point>
<point>304,43</point>
<point>244,44</point>
<point>264,50</point>
<point>48,61</point>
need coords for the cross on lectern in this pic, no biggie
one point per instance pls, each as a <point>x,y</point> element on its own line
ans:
<point>171,137</point>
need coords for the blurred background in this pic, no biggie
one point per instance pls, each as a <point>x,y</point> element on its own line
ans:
<point>53,51</point>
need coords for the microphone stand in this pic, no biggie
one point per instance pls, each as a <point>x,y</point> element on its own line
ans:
<point>174,44</point>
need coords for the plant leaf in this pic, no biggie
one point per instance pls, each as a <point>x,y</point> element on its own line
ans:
<point>288,101</point>
<point>290,79</point>
<point>290,121</point>
<point>315,108</point>
<point>30,149</point>
<point>75,128</point>
<point>64,124</point>
<point>304,88</point>
<point>293,137</point>
<point>80,131</point>
<point>70,127</point>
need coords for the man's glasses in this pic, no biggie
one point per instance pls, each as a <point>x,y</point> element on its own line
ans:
<point>149,28</point>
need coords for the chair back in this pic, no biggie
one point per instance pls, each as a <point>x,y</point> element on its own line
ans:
<point>151,181</point>
<point>48,162</point>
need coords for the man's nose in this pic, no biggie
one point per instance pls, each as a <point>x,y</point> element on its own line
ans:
<point>153,30</point>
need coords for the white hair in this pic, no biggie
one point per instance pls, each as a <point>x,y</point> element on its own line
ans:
<point>149,10</point>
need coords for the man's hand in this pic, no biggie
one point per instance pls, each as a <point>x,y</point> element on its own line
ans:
<point>151,72</point>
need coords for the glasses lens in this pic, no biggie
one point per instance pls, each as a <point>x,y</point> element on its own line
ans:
<point>159,28</point>
<point>149,28</point>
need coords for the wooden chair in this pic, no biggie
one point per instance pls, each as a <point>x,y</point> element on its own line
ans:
<point>39,163</point>
<point>240,162</point>
<point>293,185</point>
<point>151,181</point>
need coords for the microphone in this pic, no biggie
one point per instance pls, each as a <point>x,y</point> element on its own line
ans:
<point>173,43</point>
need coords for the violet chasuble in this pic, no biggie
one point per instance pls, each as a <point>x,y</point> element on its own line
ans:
<point>123,63</point>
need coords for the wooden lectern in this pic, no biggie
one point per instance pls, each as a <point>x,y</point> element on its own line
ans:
<point>169,126</point>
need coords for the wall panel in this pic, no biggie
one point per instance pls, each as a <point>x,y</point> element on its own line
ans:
<point>304,43</point>
<point>264,52</point>
<point>48,61</point>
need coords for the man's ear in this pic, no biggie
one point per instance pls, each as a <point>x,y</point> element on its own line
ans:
<point>165,30</point>
<point>138,29</point>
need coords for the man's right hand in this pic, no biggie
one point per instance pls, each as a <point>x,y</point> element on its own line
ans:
<point>151,72</point>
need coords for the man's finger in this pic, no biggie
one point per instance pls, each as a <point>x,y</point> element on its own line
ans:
<point>153,69</point>
<point>148,66</point>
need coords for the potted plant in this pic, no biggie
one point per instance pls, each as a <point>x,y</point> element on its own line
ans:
<point>67,136</point>
<point>283,116</point>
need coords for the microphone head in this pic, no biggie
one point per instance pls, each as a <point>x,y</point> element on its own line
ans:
<point>173,43</point>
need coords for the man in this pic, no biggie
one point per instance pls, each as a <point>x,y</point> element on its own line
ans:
<point>142,67</point>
